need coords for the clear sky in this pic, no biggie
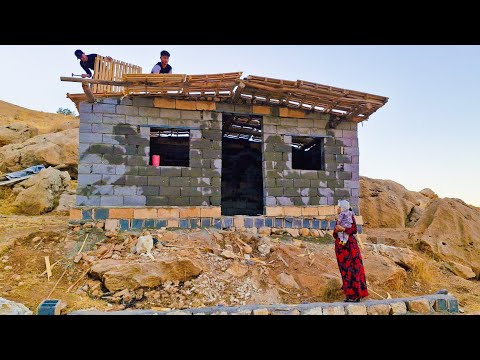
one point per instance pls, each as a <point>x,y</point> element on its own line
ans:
<point>427,135</point>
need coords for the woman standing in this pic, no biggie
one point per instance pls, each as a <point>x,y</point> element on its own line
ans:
<point>349,260</point>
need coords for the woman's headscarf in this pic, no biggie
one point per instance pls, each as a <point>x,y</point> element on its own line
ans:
<point>344,205</point>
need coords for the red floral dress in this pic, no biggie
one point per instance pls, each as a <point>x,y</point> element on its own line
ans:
<point>350,265</point>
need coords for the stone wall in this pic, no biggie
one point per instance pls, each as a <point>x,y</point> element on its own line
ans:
<point>422,305</point>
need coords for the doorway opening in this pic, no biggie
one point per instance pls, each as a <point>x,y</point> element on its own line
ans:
<point>242,179</point>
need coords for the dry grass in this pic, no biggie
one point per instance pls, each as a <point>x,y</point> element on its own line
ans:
<point>332,291</point>
<point>421,270</point>
<point>43,121</point>
<point>7,197</point>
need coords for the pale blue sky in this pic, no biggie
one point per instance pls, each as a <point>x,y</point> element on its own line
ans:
<point>427,135</point>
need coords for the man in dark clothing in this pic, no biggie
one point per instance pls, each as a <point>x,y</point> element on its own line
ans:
<point>162,67</point>
<point>87,62</point>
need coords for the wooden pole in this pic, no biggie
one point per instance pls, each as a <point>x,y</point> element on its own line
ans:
<point>88,92</point>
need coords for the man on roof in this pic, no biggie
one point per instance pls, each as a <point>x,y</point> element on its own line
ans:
<point>162,66</point>
<point>87,62</point>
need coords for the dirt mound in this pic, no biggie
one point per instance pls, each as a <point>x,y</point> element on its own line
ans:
<point>43,122</point>
<point>49,150</point>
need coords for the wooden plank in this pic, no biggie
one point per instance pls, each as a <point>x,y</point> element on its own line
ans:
<point>49,269</point>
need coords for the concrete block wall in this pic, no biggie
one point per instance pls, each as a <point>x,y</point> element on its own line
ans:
<point>114,154</point>
<point>285,186</point>
<point>114,151</point>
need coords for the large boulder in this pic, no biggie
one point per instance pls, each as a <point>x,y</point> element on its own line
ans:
<point>16,133</point>
<point>449,230</point>
<point>403,257</point>
<point>121,274</point>
<point>49,149</point>
<point>41,192</point>
<point>385,203</point>
<point>8,307</point>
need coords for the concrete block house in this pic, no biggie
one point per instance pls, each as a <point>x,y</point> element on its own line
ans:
<point>219,151</point>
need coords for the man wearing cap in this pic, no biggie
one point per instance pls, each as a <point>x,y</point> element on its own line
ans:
<point>87,62</point>
<point>162,67</point>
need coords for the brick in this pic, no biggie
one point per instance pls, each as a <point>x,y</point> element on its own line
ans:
<point>185,105</point>
<point>136,120</point>
<point>398,308</point>
<point>123,213</point>
<point>111,224</point>
<point>113,119</point>
<point>327,210</point>
<point>144,213</point>
<point>211,212</point>
<point>243,109</point>
<point>165,103</point>
<point>125,190</point>
<point>258,109</point>
<point>262,311</point>
<point>190,115</point>
<point>157,201</point>
<point>239,221</point>
<point>90,118</point>
<point>168,213</point>
<point>85,107</point>
<point>292,113</point>
<point>127,110</point>
<point>292,211</point>
<point>148,111</point>
<point>137,200</point>
<point>89,179</point>
<point>190,212</point>
<point>439,305</point>
<point>173,223</point>
<point>334,310</point>
<point>136,180</point>
<point>103,169</point>
<point>274,211</point>
<point>75,214</point>
<point>378,309</point>
<point>310,211</point>
<point>421,306</point>
<point>170,191</point>
<point>111,200</point>
<point>205,105</point>
<point>101,214</point>
<point>88,200</point>
<point>158,181</point>
<point>168,113</point>
<point>90,138</point>
<point>356,309</point>
<point>142,101</point>
<point>318,310</point>
<point>127,101</point>
<point>112,100</point>
<point>104,108</point>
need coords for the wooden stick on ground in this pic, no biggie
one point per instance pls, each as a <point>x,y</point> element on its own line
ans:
<point>84,241</point>
<point>86,272</point>
<point>54,287</point>
<point>49,269</point>
<point>283,260</point>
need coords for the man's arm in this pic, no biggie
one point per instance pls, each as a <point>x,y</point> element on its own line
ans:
<point>170,72</point>
<point>87,70</point>
<point>156,69</point>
